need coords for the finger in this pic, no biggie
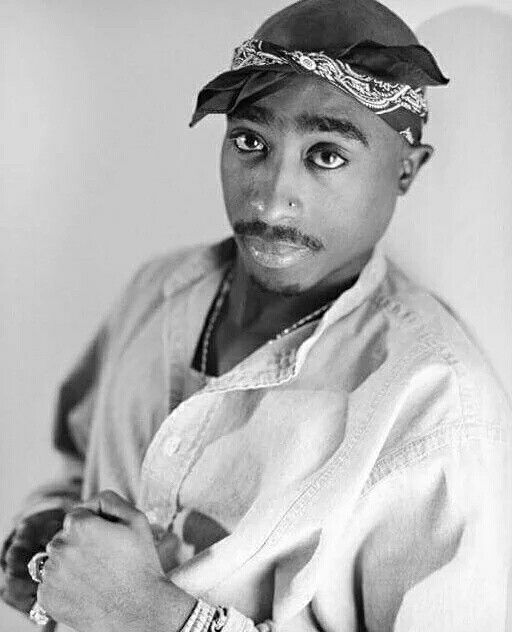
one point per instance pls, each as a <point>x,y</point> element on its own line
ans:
<point>79,523</point>
<point>7,543</point>
<point>111,506</point>
<point>20,587</point>
<point>42,598</point>
<point>17,558</point>
<point>20,542</point>
<point>75,519</point>
<point>28,529</point>
<point>24,604</point>
<point>19,594</point>
<point>50,529</point>
<point>40,527</point>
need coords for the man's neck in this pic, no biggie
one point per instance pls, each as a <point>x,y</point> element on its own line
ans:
<point>251,308</point>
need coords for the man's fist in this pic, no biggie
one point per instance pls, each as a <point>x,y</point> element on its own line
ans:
<point>30,537</point>
<point>103,572</point>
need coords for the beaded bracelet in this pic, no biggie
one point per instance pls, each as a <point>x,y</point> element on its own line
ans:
<point>219,619</point>
<point>206,618</point>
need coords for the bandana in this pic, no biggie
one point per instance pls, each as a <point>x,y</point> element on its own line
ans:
<point>387,78</point>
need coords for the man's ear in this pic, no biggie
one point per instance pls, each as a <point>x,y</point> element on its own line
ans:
<point>412,161</point>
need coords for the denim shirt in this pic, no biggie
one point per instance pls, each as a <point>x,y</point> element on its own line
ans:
<point>360,466</point>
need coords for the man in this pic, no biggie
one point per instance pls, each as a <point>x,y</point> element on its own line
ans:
<point>295,437</point>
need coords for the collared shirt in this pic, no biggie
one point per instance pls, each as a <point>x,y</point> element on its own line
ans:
<point>358,467</point>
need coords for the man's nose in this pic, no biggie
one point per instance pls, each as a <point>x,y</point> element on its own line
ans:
<point>277,196</point>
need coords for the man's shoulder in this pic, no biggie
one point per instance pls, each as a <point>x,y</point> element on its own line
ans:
<point>416,315</point>
<point>159,278</point>
<point>443,389</point>
<point>171,270</point>
<point>450,380</point>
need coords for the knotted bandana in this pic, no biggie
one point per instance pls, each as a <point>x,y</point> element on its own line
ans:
<point>388,78</point>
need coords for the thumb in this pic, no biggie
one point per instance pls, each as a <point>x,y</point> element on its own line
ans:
<point>109,505</point>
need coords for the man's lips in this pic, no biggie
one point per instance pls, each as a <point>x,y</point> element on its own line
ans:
<point>275,253</point>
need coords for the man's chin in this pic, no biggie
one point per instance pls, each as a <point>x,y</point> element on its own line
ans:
<point>289,281</point>
<point>271,286</point>
<point>279,271</point>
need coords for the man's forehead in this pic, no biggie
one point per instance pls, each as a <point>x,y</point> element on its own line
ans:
<point>307,105</point>
<point>314,94</point>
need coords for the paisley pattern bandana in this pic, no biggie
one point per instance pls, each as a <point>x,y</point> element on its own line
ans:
<point>360,47</point>
<point>388,80</point>
<point>382,97</point>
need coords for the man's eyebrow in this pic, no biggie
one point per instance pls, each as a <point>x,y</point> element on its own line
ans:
<point>314,123</point>
<point>303,122</point>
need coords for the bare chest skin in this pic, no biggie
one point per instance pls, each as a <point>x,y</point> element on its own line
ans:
<point>230,345</point>
<point>251,316</point>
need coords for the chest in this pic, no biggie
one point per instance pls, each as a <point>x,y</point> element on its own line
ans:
<point>216,450</point>
<point>229,348</point>
<point>257,443</point>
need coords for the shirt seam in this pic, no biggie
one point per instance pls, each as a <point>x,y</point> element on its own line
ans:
<point>423,447</point>
<point>306,495</point>
<point>439,346</point>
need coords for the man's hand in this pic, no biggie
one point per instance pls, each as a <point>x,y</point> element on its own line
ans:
<point>30,537</point>
<point>103,573</point>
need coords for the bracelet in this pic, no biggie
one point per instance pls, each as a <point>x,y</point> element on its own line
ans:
<point>206,618</point>
<point>200,619</point>
<point>219,619</point>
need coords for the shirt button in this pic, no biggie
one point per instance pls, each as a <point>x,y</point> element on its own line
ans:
<point>151,516</point>
<point>171,445</point>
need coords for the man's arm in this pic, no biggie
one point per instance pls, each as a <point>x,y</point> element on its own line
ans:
<point>429,547</point>
<point>103,572</point>
<point>467,590</point>
<point>44,510</point>
<point>74,413</point>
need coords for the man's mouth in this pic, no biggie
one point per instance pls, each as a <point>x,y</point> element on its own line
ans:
<point>275,253</point>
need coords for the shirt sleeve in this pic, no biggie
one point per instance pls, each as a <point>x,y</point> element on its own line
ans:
<point>77,395</point>
<point>430,544</point>
<point>462,586</point>
<point>73,414</point>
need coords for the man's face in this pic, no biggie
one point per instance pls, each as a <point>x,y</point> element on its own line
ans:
<point>310,180</point>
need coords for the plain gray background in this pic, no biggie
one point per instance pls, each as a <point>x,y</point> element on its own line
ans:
<point>100,171</point>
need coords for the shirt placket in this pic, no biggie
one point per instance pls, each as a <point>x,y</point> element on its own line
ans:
<point>184,433</point>
<point>173,450</point>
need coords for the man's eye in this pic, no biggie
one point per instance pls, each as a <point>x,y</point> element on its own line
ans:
<point>326,159</point>
<point>248,143</point>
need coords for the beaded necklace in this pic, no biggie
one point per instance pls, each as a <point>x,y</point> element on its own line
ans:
<point>219,302</point>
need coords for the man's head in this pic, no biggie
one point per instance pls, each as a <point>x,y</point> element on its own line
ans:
<point>323,134</point>
<point>312,168</point>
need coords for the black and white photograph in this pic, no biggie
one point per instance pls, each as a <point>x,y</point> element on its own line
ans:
<point>256,316</point>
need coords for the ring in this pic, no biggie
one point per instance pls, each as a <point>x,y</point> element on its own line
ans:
<point>36,566</point>
<point>38,615</point>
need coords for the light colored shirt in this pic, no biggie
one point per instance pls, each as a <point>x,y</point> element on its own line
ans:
<point>359,468</point>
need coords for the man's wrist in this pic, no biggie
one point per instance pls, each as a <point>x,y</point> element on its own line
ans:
<point>173,607</point>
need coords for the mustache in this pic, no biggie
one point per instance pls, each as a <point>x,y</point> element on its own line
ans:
<point>258,228</point>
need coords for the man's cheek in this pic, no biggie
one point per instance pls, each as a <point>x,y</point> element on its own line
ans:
<point>241,189</point>
<point>237,206</point>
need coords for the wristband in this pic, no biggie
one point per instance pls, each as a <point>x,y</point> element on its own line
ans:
<point>206,618</point>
